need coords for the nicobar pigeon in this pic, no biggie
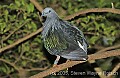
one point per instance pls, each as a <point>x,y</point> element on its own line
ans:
<point>62,38</point>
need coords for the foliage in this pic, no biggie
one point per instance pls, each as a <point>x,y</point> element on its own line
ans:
<point>19,18</point>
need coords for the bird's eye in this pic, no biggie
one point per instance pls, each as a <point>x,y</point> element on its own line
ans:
<point>49,11</point>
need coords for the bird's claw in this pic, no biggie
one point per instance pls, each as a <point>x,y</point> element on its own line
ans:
<point>54,65</point>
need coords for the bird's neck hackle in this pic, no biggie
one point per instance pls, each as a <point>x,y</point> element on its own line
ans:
<point>51,19</point>
<point>53,16</point>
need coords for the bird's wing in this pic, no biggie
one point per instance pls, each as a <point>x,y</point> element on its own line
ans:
<point>76,40</point>
<point>73,33</point>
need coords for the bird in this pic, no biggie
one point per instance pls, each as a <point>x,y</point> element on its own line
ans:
<point>62,38</point>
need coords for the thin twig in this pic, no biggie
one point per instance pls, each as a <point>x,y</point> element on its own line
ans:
<point>21,54</point>
<point>36,69</point>
<point>14,31</point>
<point>72,63</point>
<point>39,7</point>
<point>20,40</point>
<point>32,60</point>
<point>98,47</point>
<point>11,64</point>
<point>109,48</point>
<point>40,19</point>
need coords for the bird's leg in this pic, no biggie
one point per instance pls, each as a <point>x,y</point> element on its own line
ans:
<point>56,61</point>
<point>66,62</point>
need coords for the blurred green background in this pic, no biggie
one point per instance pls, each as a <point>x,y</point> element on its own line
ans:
<point>19,18</point>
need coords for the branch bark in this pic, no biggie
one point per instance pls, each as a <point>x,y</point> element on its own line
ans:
<point>116,11</point>
<point>39,7</point>
<point>111,10</point>
<point>34,69</point>
<point>114,70</point>
<point>109,48</point>
<point>72,63</point>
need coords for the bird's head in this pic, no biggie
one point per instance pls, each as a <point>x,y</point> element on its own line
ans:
<point>49,12</point>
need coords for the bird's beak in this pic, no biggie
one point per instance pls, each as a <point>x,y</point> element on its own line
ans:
<point>42,15</point>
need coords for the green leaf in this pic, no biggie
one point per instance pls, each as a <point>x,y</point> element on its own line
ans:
<point>3,69</point>
<point>7,28</point>
<point>2,27</point>
<point>10,41</point>
<point>94,39</point>
<point>90,28</point>
<point>96,25</point>
<point>28,8</point>
<point>31,7</point>
<point>69,5</point>
<point>34,26</point>
<point>6,12</point>
<point>18,3</point>
<point>83,24</point>
<point>24,63</point>
<point>7,69</point>
<point>13,7</point>
<point>25,15</point>
<point>26,48</point>
<point>23,2</point>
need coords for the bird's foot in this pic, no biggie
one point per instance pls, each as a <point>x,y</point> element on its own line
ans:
<point>55,65</point>
<point>67,62</point>
<point>56,61</point>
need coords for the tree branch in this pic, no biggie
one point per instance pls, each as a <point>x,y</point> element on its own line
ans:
<point>11,64</point>
<point>97,69</point>
<point>39,7</point>
<point>109,48</point>
<point>34,69</point>
<point>72,63</point>
<point>114,70</point>
<point>20,40</point>
<point>115,11</point>
<point>14,31</point>
<point>81,12</point>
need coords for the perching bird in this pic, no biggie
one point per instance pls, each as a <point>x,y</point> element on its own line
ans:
<point>62,38</point>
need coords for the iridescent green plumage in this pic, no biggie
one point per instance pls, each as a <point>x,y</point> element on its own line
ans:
<point>52,42</point>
